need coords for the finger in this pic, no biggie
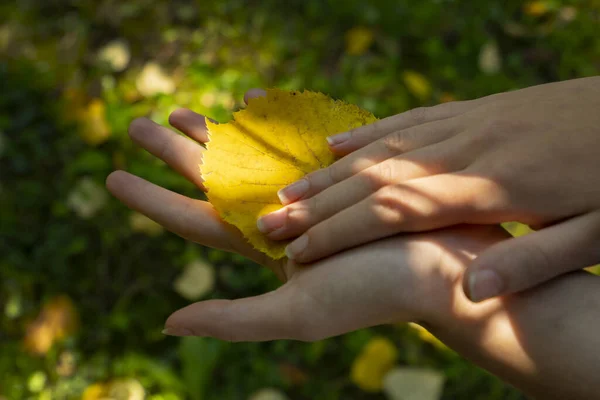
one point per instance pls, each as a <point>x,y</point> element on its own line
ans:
<point>180,153</point>
<point>253,93</point>
<point>417,205</point>
<point>526,261</point>
<point>394,144</point>
<point>294,219</point>
<point>354,139</point>
<point>190,123</point>
<point>266,317</point>
<point>191,219</point>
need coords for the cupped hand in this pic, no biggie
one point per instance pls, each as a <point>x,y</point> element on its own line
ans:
<point>399,279</point>
<point>529,155</point>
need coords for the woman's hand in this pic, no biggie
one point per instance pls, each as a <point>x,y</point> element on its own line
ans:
<point>399,279</point>
<point>530,155</point>
<point>403,278</point>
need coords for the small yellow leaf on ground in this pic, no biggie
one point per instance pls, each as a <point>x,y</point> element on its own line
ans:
<point>373,363</point>
<point>517,229</point>
<point>94,127</point>
<point>196,280</point>
<point>536,8</point>
<point>96,391</point>
<point>275,141</point>
<point>358,40</point>
<point>426,336</point>
<point>447,97</point>
<point>417,84</point>
<point>57,320</point>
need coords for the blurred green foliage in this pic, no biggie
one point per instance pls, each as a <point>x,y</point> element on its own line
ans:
<point>74,73</point>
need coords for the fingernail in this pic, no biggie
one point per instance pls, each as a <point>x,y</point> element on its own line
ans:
<point>338,139</point>
<point>296,247</point>
<point>270,222</point>
<point>484,284</point>
<point>293,192</point>
<point>177,331</point>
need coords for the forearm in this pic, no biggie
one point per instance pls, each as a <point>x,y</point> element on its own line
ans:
<point>544,341</point>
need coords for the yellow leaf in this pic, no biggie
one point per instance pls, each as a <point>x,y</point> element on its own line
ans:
<point>373,363</point>
<point>57,320</point>
<point>126,389</point>
<point>97,391</point>
<point>517,229</point>
<point>94,127</point>
<point>594,270</point>
<point>358,40</point>
<point>417,84</point>
<point>275,141</point>
<point>426,336</point>
<point>118,389</point>
<point>447,97</point>
<point>536,8</point>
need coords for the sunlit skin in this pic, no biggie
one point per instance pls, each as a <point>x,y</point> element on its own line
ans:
<point>403,278</point>
<point>529,155</point>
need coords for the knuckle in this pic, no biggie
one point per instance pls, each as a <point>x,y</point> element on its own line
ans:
<point>418,115</point>
<point>372,129</point>
<point>379,175</point>
<point>395,142</point>
<point>387,208</point>
<point>335,173</point>
<point>165,150</point>
<point>535,262</point>
<point>314,205</point>
<point>500,173</point>
<point>473,141</point>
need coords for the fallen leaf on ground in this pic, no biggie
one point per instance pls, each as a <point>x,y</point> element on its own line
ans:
<point>373,363</point>
<point>57,320</point>
<point>409,383</point>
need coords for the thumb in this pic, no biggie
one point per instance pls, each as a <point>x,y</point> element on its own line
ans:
<point>521,263</point>
<point>260,318</point>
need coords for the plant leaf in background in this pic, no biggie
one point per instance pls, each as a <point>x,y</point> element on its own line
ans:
<point>196,279</point>
<point>198,357</point>
<point>94,128</point>
<point>358,40</point>
<point>417,84</point>
<point>275,141</point>
<point>57,320</point>
<point>490,59</point>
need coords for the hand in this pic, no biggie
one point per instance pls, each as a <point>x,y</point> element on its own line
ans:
<point>399,279</point>
<point>529,155</point>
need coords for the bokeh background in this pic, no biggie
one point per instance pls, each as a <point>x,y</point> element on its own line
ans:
<point>86,284</point>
